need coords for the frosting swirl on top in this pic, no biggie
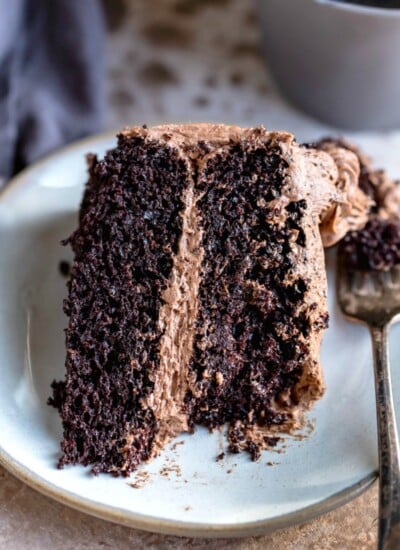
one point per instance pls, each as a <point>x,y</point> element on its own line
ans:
<point>383,190</point>
<point>350,208</point>
<point>386,194</point>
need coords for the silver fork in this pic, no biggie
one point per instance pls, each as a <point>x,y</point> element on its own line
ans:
<point>374,298</point>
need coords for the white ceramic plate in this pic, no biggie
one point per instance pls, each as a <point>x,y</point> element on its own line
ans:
<point>186,491</point>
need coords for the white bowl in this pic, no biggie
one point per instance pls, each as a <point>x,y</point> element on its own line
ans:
<point>339,62</point>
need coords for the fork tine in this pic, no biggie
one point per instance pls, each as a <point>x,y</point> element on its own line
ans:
<point>358,281</point>
<point>344,277</point>
<point>372,284</point>
<point>395,275</point>
<point>386,279</point>
<point>366,284</point>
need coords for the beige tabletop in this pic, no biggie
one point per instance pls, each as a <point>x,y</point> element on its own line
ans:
<point>186,60</point>
<point>30,520</point>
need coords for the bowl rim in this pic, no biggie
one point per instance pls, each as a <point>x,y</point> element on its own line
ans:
<point>354,7</point>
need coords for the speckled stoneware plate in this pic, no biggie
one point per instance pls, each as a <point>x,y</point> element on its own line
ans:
<point>185,491</point>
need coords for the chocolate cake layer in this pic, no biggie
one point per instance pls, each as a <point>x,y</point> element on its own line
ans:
<point>263,290</point>
<point>129,231</point>
<point>198,289</point>
<point>247,349</point>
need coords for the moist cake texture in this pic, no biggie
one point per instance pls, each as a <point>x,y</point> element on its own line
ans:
<point>198,289</point>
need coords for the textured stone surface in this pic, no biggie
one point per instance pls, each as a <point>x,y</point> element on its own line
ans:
<point>179,61</point>
<point>194,61</point>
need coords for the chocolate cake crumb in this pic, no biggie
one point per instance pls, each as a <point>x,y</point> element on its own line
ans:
<point>254,450</point>
<point>374,248</point>
<point>141,479</point>
<point>176,445</point>
<point>64,268</point>
<point>271,441</point>
<point>220,457</point>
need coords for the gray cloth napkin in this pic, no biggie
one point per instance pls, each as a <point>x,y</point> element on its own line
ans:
<point>51,77</point>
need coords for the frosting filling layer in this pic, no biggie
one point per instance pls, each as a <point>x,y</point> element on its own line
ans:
<point>176,321</point>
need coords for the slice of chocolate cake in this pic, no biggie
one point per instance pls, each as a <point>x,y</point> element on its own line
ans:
<point>198,290</point>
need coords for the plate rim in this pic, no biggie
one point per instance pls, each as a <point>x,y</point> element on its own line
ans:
<point>133,519</point>
<point>183,528</point>
<point>16,181</point>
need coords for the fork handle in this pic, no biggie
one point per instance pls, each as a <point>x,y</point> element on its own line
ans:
<point>389,465</point>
